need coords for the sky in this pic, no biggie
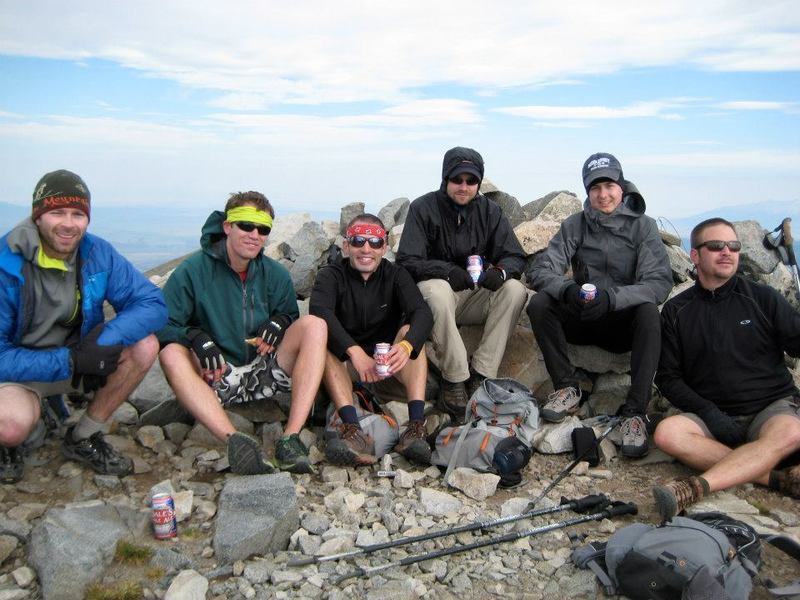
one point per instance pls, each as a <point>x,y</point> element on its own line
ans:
<point>318,104</point>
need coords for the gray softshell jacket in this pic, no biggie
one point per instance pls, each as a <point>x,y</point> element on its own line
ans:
<point>621,252</point>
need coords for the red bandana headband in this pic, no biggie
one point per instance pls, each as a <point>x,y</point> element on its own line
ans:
<point>366,230</point>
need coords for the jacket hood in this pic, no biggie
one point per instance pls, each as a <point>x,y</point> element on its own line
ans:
<point>212,231</point>
<point>457,155</point>
<point>24,239</point>
<point>632,205</point>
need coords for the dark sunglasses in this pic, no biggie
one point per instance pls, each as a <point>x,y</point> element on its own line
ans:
<point>718,245</point>
<point>471,180</point>
<point>248,227</point>
<point>358,241</point>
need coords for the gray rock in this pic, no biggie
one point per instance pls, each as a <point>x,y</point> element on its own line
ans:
<point>203,437</point>
<point>554,438</point>
<point>109,482</point>
<point>14,594</point>
<point>560,206</point>
<point>315,523</point>
<point>176,432</point>
<point>754,259</point>
<point>534,235</point>
<point>19,529</point>
<point>170,559</point>
<point>258,571</point>
<point>394,213</point>
<point>349,211</point>
<point>533,208</point>
<point>436,503</point>
<point>477,486</point>
<point>71,547</point>
<point>149,436</point>
<point>393,590</point>
<point>8,543</point>
<point>679,262</point>
<point>596,360</point>
<point>256,515</point>
<point>24,576</point>
<point>509,205</point>
<point>27,511</point>
<point>201,488</point>
<point>183,504</point>
<point>162,487</point>
<point>153,390</point>
<point>284,228</point>
<point>303,272</point>
<point>725,502</point>
<point>125,414</point>
<point>187,585</point>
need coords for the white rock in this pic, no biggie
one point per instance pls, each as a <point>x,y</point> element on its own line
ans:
<point>403,480</point>
<point>24,576</point>
<point>477,486</point>
<point>183,504</point>
<point>149,436</point>
<point>438,504</point>
<point>187,585</point>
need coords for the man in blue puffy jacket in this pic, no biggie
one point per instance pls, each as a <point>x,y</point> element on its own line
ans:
<point>53,338</point>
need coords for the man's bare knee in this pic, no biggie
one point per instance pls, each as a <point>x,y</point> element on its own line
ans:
<point>144,352</point>
<point>20,411</point>
<point>673,428</point>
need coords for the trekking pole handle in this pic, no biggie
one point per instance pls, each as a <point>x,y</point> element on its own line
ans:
<point>587,503</point>
<point>622,508</point>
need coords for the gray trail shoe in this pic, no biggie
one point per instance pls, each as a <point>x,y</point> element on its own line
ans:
<point>246,456</point>
<point>292,455</point>
<point>97,453</point>
<point>561,403</point>
<point>352,447</point>
<point>634,437</point>
<point>11,464</point>
<point>673,497</point>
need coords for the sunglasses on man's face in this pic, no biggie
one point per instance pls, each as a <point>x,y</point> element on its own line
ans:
<point>248,227</point>
<point>471,180</point>
<point>358,241</point>
<point>718,245</point>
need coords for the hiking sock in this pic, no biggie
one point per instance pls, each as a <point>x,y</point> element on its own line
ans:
<point>416,410</point>
<point>86,427</point>
<point>706,487</point>
<point>348,414</point>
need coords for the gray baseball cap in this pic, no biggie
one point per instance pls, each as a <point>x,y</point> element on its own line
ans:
<point>601,165</point>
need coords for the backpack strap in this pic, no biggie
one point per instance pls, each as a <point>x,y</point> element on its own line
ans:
<point>590,556</point>
<point>791,548</point>
<point>451,465</point>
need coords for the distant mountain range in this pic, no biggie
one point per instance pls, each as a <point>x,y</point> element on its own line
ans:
<point>151,235</point>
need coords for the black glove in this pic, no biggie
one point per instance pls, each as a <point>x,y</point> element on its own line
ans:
<point>90,358</point>
<point>272,331</point>
<point>596,309</point>
<point>724,428</point>
<point>492,279</point>
<point>91,383</point>
<point>572,297</point>
<point>208,353</point>
<point>460,280</point>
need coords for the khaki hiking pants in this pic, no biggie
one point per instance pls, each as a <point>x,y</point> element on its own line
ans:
<point>498,311</point>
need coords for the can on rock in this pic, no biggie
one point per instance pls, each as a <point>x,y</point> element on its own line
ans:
<point>165,524</point>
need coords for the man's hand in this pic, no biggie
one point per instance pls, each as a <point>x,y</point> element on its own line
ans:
<point>492,279</point>
<point>724,428</point>
<point>596,309</point>
<point>212,363</point>
<point>460,280</point>
<point>272,332</point>
<point>364,364</point>
<point>398,357</point>
<point>91,359</point>
<point>572,297</point>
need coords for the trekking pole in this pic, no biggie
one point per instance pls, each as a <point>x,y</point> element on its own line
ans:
<point>615,510</point>
<point>581,505</point>
<point>614,422</point>
<point>788,243</point>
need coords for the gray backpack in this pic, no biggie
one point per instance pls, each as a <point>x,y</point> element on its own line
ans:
<point>500,411</point>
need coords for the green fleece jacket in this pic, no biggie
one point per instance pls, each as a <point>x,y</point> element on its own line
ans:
<point>205,292</point>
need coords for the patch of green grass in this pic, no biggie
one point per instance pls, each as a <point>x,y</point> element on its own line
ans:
<point>191,533</point>
<point>124,590</point>
<point>132,554</point>
<point>154,573</point>
<point>762,508</point>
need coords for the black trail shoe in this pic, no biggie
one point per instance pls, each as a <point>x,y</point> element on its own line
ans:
<point>96,453</point>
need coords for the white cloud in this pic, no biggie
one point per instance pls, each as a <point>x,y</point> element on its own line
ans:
<point>742,161</point>
<point>755,105</point>
<point>590,113</point>
<point>257,53</point>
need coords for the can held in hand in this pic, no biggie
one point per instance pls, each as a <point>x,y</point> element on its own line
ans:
<point>588,292</point>
<point>381,357</point>
<point>475,267</point>
<point>165,525</point>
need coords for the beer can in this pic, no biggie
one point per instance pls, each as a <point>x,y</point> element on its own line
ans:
<point>588,292</point>
<point>475,266</point>
<point>381,357</point>
<point>165,524</point>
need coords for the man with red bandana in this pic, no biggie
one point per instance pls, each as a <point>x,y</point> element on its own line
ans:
<point>366,300</point>
<point>442,230</point>
<point>231,306</point>
<point>54,339</point>
<point>722,362</point>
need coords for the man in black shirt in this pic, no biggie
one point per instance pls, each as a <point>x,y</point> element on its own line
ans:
<point>722,361</point>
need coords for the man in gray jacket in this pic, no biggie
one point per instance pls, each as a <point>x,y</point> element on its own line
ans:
<point>613,245</point>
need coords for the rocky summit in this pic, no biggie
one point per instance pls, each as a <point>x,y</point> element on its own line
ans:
<point>66,533</point>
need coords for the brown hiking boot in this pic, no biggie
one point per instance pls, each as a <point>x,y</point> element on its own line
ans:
<point>453,399</point>
<point>673,497</point>
<point>413,443</point>
<point>352,447</point>
<point>789,481</point>
<point>473,383</point>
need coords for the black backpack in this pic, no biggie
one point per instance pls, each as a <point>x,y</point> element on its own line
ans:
<point>710,556</point>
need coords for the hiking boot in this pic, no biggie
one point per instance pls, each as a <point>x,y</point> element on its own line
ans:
<point>561,403</point>
<point>97,453</point>
<point>246,457</point>
<point>292,455</point>
<point>11,464</point>
<point>352,447</point>
<point>634,437</point>
<point>413,443</point>
<point>789,481</point>
<point>473,384</point>
<point>453,399</point>
<point>265,378</point>
<point>673,497</point>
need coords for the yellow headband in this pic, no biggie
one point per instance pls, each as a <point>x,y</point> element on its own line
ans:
<point>249,214</point>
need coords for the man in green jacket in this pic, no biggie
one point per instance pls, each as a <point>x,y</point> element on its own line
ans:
<point>228,303</point>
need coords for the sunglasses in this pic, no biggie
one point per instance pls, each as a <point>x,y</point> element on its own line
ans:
<point>471,180</point>
<point>718,245</point>
<point>248,227</point>
<point>358,241</point>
